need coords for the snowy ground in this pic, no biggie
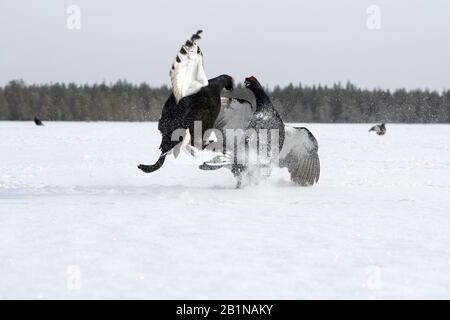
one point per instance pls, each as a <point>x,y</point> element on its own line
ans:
<point>79,220</point>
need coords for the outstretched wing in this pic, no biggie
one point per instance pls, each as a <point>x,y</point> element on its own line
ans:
<point>299,155</point>
<point>234,114</point>
<point>187,74</point>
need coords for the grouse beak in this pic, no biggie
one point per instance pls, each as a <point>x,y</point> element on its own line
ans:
<point>247,83</point>
<point>230,87</point>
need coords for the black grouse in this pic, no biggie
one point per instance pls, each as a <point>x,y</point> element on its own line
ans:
<point>194,98</point>
<point>38,121</point>
<point>380,129</point>
<point>261,125</point>
<point>264,121</point>
<point>299,148</point>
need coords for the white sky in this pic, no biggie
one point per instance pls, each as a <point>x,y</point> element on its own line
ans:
<point>314,41</point>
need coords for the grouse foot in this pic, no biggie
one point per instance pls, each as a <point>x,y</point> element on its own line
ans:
<point>206,166</point>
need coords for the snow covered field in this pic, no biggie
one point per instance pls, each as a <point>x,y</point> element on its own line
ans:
<point>79,220</point>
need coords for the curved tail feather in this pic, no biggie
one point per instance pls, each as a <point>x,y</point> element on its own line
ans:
<point>151,168</point>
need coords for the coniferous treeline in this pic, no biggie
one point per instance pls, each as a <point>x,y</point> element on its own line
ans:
<point>123,101</point>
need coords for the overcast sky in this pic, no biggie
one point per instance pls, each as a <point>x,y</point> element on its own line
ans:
<point>277,41</point>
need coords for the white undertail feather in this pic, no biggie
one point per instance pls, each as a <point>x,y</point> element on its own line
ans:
<point>187,74</point>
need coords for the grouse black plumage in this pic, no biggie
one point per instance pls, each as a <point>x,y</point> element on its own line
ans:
<point>380,129</point>
<point>299,151</point>
<point>264,118</point>
<point>265,115</point>
<point>194,98</point>
<point>38,121</point>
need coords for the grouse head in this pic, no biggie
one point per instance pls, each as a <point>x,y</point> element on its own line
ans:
<point>229,83</point>
<point>262,99</point>
<point>252,83</point>
<point>224,81</point>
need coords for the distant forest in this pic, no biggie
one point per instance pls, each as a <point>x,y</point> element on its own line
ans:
<point>123,101</point>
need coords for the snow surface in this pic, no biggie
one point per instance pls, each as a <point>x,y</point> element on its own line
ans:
<point>79,220</point>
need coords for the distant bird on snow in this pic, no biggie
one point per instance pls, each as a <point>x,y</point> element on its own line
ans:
<point>380,129</point>
<point>38,121</point>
